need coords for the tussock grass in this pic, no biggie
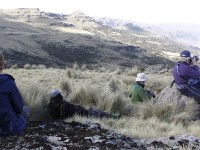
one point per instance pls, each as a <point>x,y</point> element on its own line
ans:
<point>158,82</point>
<point>27,66</point>
<point>65,86</point>
<point>71,73</point>
<point>36,98</point>
<point>168,112</point>
<point>75,66</point>
<point>85,96</point>
<point>128,80</point>
<point>114,103</point>
<point>84,67</point>
<point>118,71</point>
<point>113,85</point>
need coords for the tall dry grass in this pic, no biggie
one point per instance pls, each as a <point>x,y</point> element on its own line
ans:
<point>85,96</point>
<point>144,120</point>
<point>169,112</point>
<point>36,98</point>
<point>65,86</point>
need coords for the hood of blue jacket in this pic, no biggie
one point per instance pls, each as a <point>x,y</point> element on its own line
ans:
<point>4,77</point>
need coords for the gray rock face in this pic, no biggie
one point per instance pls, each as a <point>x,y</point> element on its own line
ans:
<point>61,135</point>
<point>173,142</point>
<point>172,95</point>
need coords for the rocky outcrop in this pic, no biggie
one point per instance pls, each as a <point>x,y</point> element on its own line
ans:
<point>172,95</point>
<point>173,142</point>
<point>64,135</point>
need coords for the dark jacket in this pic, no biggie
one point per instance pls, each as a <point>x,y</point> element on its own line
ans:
<point>183,72</point>
<point>11,107</point>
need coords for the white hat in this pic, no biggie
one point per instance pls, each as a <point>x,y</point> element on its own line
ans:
<point>54,92</point>
<point>141,77</point>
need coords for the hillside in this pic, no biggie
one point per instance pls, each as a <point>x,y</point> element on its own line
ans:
<point>35,37</point>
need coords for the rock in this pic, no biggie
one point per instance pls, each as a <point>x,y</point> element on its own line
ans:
<point>73,135</point>
<point>172,95</point>
<point>67,135</point>
<point>175,143</point>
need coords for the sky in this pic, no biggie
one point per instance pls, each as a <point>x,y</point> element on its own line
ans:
<point>142,11</point>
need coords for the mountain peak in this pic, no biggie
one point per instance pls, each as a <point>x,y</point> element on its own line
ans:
<point>22,12</point>
<point>77,14</point>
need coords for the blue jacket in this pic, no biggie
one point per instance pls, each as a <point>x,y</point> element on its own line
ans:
<point>183,72</point>
<point>11,106</point>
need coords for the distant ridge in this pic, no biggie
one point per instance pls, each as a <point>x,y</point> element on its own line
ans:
<point>29,35</point>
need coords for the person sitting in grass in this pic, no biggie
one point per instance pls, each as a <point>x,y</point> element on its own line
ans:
<point>59,108</point>
<point>13,114</point>
<point>137,92</point>
<point>186,75</point>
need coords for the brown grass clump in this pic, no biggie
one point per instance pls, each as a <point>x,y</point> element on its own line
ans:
<point>27,66</point>
<point>75,66</point>
<point>36,98</point>
<point>118,71</point>
<point>113,85</point>
<point>168,112</point>
<point>85,96</point>
<point>128,80</point>
<point>71,73</point>
<point>65,86</point>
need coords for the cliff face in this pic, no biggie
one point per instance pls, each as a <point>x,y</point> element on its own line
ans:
<point>74,135</point>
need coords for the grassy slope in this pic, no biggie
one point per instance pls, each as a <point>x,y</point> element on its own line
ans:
<point>103,82</point>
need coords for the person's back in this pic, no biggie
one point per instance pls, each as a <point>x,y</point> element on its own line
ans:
<point>137,93</point>
<point>11,105</point>
<point>186,76</point>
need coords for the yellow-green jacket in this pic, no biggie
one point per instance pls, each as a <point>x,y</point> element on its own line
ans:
<point>138,94</point>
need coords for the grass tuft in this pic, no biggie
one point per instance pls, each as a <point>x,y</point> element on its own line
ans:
<point>36,98</point>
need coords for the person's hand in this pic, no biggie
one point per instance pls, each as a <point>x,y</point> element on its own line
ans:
<point>151,94</point>
<point>195,58</point>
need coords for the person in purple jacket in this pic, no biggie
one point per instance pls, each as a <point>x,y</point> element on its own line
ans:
<point>186,75</point>
<point>13,114</point>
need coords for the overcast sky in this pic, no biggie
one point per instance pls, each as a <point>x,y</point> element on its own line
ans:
<point>144,11</point>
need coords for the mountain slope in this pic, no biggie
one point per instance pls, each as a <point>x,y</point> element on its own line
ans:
<point>35,37</point>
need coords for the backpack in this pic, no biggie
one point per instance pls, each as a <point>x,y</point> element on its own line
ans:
<point>56,107</point>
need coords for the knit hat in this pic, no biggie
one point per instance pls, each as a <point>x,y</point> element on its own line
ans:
<point>141,77</point>
<point>185,53</point>
<point>54,92</point>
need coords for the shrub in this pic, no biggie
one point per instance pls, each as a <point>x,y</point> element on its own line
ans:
<point>36,98</point>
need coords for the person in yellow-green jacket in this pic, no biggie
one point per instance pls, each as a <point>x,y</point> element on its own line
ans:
<point>137,92</point>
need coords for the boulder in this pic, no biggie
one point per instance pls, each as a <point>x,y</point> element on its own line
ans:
<point>172,95</point>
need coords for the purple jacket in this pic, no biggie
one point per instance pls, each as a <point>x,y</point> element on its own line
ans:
<point>11,107</point>
<point>183,72</point>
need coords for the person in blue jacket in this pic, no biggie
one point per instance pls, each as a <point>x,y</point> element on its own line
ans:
<point>13,115</point>
<point>186,75</point>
